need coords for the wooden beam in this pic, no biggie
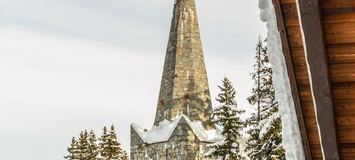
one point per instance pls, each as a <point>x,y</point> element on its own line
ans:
<point>314,44</point>
<point>292,78</point>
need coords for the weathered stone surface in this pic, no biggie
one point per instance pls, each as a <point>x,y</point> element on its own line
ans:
<point>182,145</point>
<point>184,86</point>
<point>184,90</point>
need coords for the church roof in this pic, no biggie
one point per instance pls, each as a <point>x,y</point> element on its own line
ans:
<point>164,130</point>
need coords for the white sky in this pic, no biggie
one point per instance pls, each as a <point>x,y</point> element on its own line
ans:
<point>70,65</point>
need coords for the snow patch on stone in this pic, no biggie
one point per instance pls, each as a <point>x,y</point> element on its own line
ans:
<point>164,130</point>
<point>291,137</point>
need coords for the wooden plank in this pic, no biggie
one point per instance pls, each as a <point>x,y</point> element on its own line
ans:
<point>341,53</point>
<point>302,75</point>
<point>347,151</point>
<point>339,11</point>
<point>316,151</point>
<point>314,138</point>
<point>294,31</point>
<point>297,54</point>
<point>350,128</point>
<point>311,125</point>
<point>342,73</point>
<point>340,4</point>
<point>299,62</point>
<point>287,1</point>
<point>344,91</point>
<point>302,71</point>
<point>295,42</point>
<point>295,37</point>
<point>346,120</point>
<point>344,107</point>
<point>340,33</point>
<point>346,136</point>
<point>298,58</point>
<point>305,93</point>
<point>317,59</point>
<point>308,110</point>
<point>290,14</point>
<point>303,81</point>
<point>345,123</point>
<point>292,78</point>
<point>335,11</point>
<point>339,17</point>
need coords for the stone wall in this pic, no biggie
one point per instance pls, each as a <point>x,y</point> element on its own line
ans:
<point>182,145</point>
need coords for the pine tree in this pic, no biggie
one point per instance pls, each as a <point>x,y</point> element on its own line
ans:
<point>227,116</point>
<point>254,144</point>
<point>110,147</point>
<point>83,146</point>
<point>265,124</point>
<point>86,148</point>
<point>73,151</point>
<point>93,148</point>
<point>272,141</point>
<point>83,149</point>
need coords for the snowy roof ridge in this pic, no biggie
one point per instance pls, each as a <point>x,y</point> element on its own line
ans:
<point>159,133</point>
<point>164,130</point>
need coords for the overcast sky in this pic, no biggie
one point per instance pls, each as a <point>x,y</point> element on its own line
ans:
<point>70,65</point>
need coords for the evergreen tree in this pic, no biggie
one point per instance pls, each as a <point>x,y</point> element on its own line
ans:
<point>272,141</point>
<point>93,148</point>
<point>86,148</point>
<point>227,116</point>
<point>81,150</point>
<point>110,147</point>
<point>83,146</point>
<point>265,124</point>
<point>73,151</point>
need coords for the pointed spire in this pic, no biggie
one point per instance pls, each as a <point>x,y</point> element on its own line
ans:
<point>184,86</point>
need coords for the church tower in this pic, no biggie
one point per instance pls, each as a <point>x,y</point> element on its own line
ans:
<point>182,126</point>
<point>184,87</point>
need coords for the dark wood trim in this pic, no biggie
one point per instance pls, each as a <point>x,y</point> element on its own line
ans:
<point>292,78</point>
<point>314,44</point>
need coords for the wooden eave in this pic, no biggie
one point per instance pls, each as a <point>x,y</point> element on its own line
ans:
<point>321,72</point>
<point>292,78</point>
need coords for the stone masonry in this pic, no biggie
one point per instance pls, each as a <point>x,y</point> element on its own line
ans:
<point>183,144</point>
<point>184,87</point>
<point>184,93</point>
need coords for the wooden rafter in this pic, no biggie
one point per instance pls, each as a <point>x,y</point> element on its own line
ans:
<point>312,30</point>
<point>292,78</point>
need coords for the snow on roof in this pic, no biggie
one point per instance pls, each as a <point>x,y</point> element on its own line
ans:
<point>291,137</point>
<point>163,131</point>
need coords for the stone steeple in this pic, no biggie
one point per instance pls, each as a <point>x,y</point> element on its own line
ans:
<point>184,99</point>
<point>184,87</point>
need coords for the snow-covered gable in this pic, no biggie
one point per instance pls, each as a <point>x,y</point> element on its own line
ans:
<point>164,130</point>
<point>291,137</point>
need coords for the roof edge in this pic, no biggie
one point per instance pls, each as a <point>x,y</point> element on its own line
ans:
<point>164,130</point>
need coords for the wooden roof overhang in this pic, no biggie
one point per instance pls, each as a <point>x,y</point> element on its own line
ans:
<point>318,41</point>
